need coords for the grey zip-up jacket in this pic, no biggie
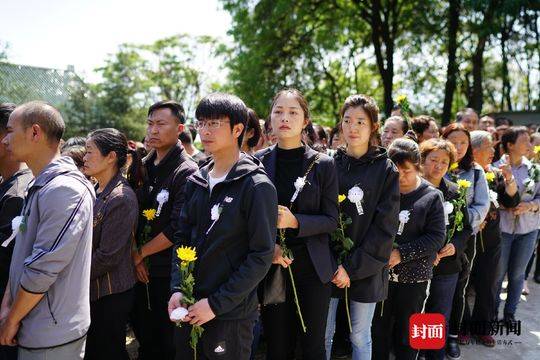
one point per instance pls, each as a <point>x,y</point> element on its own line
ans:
<point>52,256</point>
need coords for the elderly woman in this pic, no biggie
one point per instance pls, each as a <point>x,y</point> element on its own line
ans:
<point>394,128</point>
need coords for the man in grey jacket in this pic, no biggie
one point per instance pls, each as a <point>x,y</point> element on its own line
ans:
<point>45,310</point>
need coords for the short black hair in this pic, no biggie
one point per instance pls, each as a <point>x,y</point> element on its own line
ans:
<point>74,141</point>
<point>402,150</point>
<point>511,135</point>
<point>185,137</point>
<point>46,116</point>
<point>253,123</point>
<point>177,110</point>
<point>501,120</point>
<point>220,105</point>
<point>5,110</point>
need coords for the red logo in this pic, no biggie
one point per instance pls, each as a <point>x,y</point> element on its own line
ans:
<point>427,331</point>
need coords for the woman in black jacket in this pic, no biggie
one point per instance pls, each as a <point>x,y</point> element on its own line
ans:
<point>420,235</point>
<point>306,183</point>
<point>437,156</point>
<point>370,182</point>
<point>112,274</point>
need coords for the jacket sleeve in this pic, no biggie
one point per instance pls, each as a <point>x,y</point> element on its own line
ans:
<point>479,206</point>
<point>504,199</point>
<point>117,229</point>
<point>261,209</point>
<point>182,236</point>
<point>326,221</point>
<point>178,190</point>
<point>65,211</point>
<point>433,235</point>
<point>373,253</point>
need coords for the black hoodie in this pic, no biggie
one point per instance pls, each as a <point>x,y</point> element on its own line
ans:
<point>423,235</point>
<point>372,232</point>
<point>235,252</point>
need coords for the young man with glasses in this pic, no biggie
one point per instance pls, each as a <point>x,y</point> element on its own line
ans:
<point>230,217</point>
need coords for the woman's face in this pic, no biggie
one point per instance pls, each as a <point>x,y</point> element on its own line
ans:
<point>94,162</point>
<point>460,141</point>
<point>392,130</point>
<point>356,127</point>
<point>432,132</point>
<point>408,175</point>
<point>522,145</point>
<point>436,165</point>
<point>287,117</point>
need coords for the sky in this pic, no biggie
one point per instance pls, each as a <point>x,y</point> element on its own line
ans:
<point>58,33</point>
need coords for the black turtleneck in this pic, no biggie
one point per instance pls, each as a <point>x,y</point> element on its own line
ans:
<point>288,169</point>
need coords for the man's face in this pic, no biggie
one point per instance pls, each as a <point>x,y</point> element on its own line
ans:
<point>470,121</point>
<point>486,122</point>
<point>162,129</point>
<point>18,141</point>
<point>216,134</point>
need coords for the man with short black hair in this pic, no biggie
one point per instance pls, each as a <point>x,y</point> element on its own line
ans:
<point>230,217</point>
<point>167,168</point>
<point>187,142</point>
<point>46,307</point>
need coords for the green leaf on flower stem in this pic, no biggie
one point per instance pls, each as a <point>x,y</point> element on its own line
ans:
<point>348,243</point>
<point>348,221</point>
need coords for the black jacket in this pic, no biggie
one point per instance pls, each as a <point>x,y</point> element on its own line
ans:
<point>236,253</point>
<point>373,232</point>
<point>315,208</point>
<point>171,175</point>
<point>452,264</point>
<point>423,235</point>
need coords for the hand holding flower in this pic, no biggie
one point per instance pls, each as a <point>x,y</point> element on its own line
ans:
<point>200,312</point>
<point>395,258</point>
<point>286,218</point>
<point>341,278</point>
<point>447,250</point>
<point>142,273</point>
<point>279,258</point>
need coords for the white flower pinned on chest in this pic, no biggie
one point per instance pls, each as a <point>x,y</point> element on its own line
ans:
<point>494,197</point>
<point>404,216</point>
<point>356,195</point>
<point>215,213</point>
<point>448,209</point>
<point>299,184</point>
<point>161,198</point>
<point>17,224</point>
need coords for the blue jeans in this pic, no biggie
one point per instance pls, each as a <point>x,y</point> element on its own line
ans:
<point>361,316</point>
<point>516,250</point>
<point>441,293</point>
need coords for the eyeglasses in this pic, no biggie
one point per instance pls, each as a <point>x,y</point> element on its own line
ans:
<point>210,124</point>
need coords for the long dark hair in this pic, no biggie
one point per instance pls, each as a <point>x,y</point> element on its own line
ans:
<point>466,163</point>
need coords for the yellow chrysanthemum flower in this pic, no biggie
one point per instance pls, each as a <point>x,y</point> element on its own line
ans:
<point>537,149</point>
<point>465,184</point>
<point>401,98</point>
<point>149,214</point>
<point>186,254</point>
<point>341,198</point>
<point>454,166</point>
<point>490,176</point>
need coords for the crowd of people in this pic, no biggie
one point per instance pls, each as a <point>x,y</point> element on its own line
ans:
<point>276,236</point>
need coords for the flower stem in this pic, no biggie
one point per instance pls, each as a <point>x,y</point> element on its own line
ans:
<point>481,240</point>
<point>296,300</point>
<point>382,308</point>
<point>347,307</point>
<point>148,297</point>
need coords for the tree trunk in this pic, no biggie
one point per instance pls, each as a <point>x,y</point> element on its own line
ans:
<point>452,68</point>
<point>506,87</point>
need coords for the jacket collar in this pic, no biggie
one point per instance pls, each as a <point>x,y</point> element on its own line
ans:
<point>115,181</point>
<point>174,155</point>
<point>269,160</point>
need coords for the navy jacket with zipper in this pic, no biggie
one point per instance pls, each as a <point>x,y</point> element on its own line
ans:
<point>235,253</point>
<point>315,207</point>
<point>373,232</point>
